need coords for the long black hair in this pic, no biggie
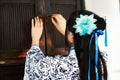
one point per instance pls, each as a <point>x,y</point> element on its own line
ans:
<point>81,44</point>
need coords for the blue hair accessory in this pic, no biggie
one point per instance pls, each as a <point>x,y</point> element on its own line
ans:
<point>95,34</point>
<point>85,24</point>
<point>106,37</point>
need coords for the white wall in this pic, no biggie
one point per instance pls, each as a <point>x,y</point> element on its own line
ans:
<point>110,9</point>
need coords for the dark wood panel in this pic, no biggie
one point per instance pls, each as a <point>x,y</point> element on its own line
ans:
<point>15,27</point>
<point>12,69</point>
<point>63,2</point>
<point>17,1</point>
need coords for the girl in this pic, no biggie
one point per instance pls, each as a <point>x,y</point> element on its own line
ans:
<point>84,60</point>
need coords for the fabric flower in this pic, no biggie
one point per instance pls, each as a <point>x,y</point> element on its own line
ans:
<point>85,24</point>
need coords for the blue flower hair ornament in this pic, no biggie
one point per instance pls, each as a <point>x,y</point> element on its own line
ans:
<point>85,24</point>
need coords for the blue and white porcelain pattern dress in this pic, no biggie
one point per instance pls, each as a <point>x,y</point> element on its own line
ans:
<point>41,67</point>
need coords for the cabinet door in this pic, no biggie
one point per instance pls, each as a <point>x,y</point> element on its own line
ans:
<point>15,31</point>
<point>55,42</point>
<point>15,24</point>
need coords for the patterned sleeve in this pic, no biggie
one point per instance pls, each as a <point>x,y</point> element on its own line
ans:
<point>29,60</point>
<point>41,67</point>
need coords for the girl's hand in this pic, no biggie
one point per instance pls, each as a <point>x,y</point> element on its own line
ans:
<point>36,30</point>
<point>59,22</point>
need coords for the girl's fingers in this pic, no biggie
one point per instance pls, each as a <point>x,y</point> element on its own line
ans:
<point>54,21</point>
<point>41,22</point>
<point>38,22</point>
<point>35,21</point>
<point>57,17</point>
<point>32,22</point>
<point>33,25</point>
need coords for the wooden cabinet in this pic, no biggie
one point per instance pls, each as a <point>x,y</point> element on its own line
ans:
<point>12,69</point>
<point>15,31</point>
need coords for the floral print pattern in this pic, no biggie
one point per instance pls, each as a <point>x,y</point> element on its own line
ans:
<point>41,67</point>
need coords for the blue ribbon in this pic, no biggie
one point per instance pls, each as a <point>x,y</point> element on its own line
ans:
<point>106,38</point>
<point>95,33</point>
